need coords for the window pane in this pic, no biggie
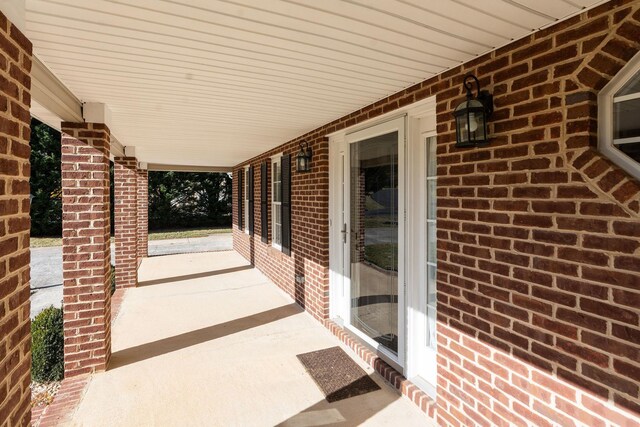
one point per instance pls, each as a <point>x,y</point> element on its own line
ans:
<point>431,199</point>
<point>277,224</point>
<point>431,242</point>
<point>374,238</point>
<point>625,119</point>
<point>632,150</point>
<point>431,306</point>
<point>431,156</point>
<point>632,86</point>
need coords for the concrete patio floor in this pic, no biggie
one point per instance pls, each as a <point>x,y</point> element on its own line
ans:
<point>46,264</point>
<point>206,340</point>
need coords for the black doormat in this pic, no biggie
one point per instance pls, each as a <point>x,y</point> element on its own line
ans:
<point>337,375</point>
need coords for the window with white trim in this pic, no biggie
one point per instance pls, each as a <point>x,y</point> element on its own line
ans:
<point>246,199</point>
<point>619,118</point>
<point>276,201</point>
<point>432,240</point>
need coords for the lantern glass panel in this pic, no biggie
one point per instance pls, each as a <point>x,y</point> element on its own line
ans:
<point>470,123</point>
<point>302,162</point>
<point>463,133</point>
<point>480,134</point>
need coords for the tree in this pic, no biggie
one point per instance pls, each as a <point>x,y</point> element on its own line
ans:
<point>176,199</point>
<point>185,199</point>
<point>46,184</point>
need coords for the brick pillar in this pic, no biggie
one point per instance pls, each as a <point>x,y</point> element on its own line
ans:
<point>143,213</point>
<point>86,247</point>
<point>15,329</point>
<point>125,217</point>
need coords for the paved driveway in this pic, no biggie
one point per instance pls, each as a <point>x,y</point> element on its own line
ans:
<point>46,264</point>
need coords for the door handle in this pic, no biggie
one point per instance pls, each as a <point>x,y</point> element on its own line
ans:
<point>344,233</point>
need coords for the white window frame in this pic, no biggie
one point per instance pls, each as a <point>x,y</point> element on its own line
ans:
<point>276,205</point>
<point>246,199</point>
<point>606,142</point>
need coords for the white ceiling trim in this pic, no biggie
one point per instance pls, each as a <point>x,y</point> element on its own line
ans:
<point>214,82</point>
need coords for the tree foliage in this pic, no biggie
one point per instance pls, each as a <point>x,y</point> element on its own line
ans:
<point>189,199</point>
<point>176,199</point>
<point>46,184</point>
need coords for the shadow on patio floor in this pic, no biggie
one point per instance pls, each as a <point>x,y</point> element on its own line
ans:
<point>194,276</point>
<point>157,348</point>
<point>353,411</point>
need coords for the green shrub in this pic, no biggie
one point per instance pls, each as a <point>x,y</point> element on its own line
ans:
<point>47,348</point>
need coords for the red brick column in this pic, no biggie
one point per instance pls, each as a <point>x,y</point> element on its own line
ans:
<point>143,213</point>
<point>86,247</point>
<point>15,337</point>
<point>125,217</point>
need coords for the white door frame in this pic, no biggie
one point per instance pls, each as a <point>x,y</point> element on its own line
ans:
<point>421,359</point>
<point>338,234</point>
<point>420,118</point>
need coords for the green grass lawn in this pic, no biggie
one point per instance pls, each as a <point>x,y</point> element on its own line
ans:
<point>45,242</point>
<point>184,234</point>
<point>384,255</point>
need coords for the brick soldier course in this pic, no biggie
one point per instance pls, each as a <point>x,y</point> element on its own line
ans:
<point>538,234</point>
<point>15,335</point>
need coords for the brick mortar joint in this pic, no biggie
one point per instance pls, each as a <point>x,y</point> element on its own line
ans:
<point>592,183</point>
<point>610,35</point>
<point>568,165</point>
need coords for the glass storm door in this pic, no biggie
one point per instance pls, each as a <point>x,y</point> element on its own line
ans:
<point>375,245</point>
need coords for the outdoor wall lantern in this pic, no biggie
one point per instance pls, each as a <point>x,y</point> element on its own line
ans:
<point>303,161</point>
<point>472,114</point>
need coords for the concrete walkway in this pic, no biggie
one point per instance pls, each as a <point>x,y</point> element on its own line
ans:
<point>46,264</point>
<point>207,340</point>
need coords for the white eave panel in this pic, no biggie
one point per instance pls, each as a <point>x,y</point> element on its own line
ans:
<point>214,82</point>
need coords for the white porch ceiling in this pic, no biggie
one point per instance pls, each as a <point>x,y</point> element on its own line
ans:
<point>215,82</point>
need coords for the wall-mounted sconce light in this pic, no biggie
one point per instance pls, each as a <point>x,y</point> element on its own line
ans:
<point>303,161</point>
<point>472,114</point>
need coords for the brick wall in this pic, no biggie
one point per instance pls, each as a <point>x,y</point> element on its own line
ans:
<point>309,228</point>
<point>125,191</point>
<point>15,336</point>
<point>538,251</point>
<point>539,268</point>
<point>142,213</point>
<point>86,252</point>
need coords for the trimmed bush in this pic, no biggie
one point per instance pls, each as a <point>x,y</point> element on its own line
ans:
<point>47,346</point>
